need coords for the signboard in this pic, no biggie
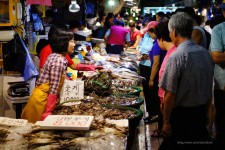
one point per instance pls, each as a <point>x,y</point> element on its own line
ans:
<point>13,122</point>
<point>72,90</point>
<point>67,122</point>
<point>121,123</point>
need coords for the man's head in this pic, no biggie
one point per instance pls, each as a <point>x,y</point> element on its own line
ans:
<point>132,26</point>
<point>180,26</point>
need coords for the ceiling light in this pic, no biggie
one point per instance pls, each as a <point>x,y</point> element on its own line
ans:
<point>111,3</point>
<point>74,7</point>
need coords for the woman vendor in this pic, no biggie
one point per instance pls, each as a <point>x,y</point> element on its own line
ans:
<point>45,95</point>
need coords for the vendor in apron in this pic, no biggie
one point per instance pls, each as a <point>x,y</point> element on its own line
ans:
<point>44,97</point>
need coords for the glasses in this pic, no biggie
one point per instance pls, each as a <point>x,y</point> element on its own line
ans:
<point>151,30</point>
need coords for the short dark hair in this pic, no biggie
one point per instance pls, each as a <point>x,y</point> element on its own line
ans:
<point>119,23</point>
<point>59,40</point>
<point>132,24</point>
<point>40,45</point>
<point>160,14</point>
<point>74,24</point>
<point>162,32</point>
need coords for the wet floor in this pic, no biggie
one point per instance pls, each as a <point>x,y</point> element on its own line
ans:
<point>143,139</point>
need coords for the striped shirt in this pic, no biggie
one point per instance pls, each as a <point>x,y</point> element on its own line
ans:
<point>54,67</point>
<point>189,75</point>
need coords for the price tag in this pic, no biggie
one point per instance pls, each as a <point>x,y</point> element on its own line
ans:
<point>67,122</point>
<point>72,90</point>
<point>13,122</point>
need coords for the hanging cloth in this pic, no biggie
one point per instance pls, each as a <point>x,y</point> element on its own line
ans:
<point>39,2</point>
<point>29,70</point>
<point>90,8</point>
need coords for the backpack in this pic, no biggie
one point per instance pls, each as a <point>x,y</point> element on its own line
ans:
<point>208,37</point>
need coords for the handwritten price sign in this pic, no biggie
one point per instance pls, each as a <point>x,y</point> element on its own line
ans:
<point>72,90</point>
<point>67,122</point>
<point>12,122</point>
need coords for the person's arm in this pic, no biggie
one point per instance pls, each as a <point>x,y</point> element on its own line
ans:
<point>155,70</point>
<point>168,106</point>
<point>196,36</point>
<point>71,64</point>
<point>218,57</point>
<point>127,40</point>
<point>107,35</point>
<point>45,52</point>
<point>217,46</point>
<point>56,72</point>
<point>136,42</point>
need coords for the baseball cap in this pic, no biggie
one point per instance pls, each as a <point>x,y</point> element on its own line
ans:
<point>151,23</point>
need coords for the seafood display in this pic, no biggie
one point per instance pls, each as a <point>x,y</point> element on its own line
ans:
<point>118,100</point>
<point>117,81</point>
<point>32,137</point>
<point>124,90</point>
<point>106,138</point>
<point>12,138</point>
<point>100,83</point>
<point>126,100</point>
<point>96,110</point>
<point>119,76</point>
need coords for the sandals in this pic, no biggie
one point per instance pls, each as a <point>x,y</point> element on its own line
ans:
<point>157,134</point>
<point>151,119</point>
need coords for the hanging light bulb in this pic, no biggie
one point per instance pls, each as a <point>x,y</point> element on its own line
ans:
<point>74,7</point>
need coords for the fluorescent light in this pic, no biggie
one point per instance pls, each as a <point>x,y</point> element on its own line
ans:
<point>111,3</point>
<point>74,7</point>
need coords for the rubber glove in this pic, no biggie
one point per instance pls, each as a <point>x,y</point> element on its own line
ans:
<point>50,106</point>
<point>82,67</point>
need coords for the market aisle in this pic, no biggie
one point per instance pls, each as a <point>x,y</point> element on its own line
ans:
<point>143,140</point>
<point>150,143</point>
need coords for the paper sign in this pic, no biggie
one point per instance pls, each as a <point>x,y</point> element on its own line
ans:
<point>121,123</point>
<point>72,90</point>
<point>67,122</point>
<point>13,122</point>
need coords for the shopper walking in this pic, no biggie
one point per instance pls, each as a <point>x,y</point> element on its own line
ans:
<point>187,81</point>
<point>218,56</point>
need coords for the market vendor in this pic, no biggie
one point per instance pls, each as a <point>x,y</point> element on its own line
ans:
<point>116,37</point>
<point>45,95</point>
<point>134,35</point>
<point>47,50</point>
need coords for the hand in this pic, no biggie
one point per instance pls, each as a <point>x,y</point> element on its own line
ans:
<point>50,106</point>
<point>144,57</point>
<point>44,115</point>
<point>82,67</point>
<point>166,129</point>
<point>93,67</point>
<point>132,47</point>
<point>151,83</point>
<point>98,67</point>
